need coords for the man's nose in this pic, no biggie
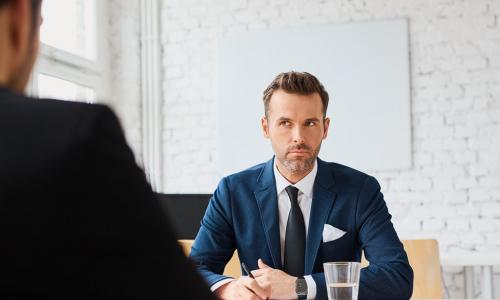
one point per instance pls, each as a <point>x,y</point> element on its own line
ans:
<point>298,135</point>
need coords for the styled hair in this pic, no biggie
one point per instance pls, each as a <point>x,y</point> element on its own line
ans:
<point>34,3</point>
<point>301,83</point>
<point>35,6</point>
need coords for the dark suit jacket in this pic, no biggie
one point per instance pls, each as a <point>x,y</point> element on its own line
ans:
<point>77,218</point>
<point>243,215</point>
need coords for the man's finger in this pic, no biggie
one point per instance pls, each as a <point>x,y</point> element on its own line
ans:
<point>263,282</point>
<point>258,272</point>
<point>261,264</point>
<point>245,293</point>
<point>254,286</point>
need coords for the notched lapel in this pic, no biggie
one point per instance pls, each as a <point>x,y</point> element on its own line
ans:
<point>323,199</point>
<point>266,197</point>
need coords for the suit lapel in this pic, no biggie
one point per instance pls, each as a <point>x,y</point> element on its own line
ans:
<point>323,199</point>
<point>266,197</point>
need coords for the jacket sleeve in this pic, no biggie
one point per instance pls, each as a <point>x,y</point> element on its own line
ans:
<point>123,224</point>
<point>389,275</point>
<point>215,242</point>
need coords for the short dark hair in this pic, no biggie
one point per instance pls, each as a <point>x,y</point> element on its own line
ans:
<point>302,83</point>
<point>34,3</point>
<point>35,6</point>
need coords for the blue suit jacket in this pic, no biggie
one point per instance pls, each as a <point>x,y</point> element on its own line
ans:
<point>243,215</point>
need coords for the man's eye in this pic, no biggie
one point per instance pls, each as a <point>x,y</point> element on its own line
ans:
<point>310,123</point>
<point>284,123</point>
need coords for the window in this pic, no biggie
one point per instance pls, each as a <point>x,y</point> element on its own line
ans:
<point>70,65</point>
<point>53,87</point>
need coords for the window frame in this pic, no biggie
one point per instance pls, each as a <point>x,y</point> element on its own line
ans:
<point>77,69</point>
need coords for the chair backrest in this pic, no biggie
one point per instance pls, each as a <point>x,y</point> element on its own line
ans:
<point>423,256</point>
<point>232,268</point>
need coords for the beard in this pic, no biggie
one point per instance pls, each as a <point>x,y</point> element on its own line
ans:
<point>299,165</point>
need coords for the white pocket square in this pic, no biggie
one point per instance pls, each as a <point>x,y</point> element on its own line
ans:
<point>331,233</point>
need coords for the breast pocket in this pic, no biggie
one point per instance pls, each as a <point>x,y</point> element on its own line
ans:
<point>341,249</point>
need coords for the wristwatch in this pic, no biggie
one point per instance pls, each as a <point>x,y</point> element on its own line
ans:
<point>301,288</point>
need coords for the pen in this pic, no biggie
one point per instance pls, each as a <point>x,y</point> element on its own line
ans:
<point>246,270</point>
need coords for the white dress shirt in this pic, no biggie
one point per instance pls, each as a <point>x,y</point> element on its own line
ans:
<point>305,196</point>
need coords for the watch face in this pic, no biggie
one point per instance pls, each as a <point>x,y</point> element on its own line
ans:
<point>301,287</point>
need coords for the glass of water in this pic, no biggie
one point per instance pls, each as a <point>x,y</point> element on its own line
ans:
<point>342,280</point>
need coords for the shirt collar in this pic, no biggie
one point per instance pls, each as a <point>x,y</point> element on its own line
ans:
<point>305,185</point>
<point>3,89</point>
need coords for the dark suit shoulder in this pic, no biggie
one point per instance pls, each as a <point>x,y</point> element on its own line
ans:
<point>74,113</point>
<point>33,116</point>
<point>344,175</point>
<point>348,171</point>
<point>56,129</point>
<point>248,175</point>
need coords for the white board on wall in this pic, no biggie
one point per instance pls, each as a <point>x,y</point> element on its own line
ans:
<point>363,66</point>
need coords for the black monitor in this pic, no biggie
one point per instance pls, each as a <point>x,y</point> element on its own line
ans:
<point>185,212</point>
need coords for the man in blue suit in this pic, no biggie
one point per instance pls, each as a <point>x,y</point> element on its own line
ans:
<point>288,216</point>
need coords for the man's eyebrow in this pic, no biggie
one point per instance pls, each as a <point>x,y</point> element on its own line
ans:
<point>312,119</point>
<point>284,119</point>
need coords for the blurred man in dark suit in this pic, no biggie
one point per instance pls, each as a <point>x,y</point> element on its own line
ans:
<point>77,218</point>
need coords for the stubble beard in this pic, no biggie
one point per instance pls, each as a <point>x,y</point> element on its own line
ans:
<point>300,166</point>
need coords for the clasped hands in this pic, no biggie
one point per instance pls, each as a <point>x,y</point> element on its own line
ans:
<point>269,283</point>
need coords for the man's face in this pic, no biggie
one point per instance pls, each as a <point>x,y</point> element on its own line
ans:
<point>296,128</point>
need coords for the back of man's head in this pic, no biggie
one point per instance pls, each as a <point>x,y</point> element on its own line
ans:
<point>35,6</point>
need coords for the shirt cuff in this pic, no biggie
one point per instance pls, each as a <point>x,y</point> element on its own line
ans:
<point>218,284</point>
<point>311,287</point>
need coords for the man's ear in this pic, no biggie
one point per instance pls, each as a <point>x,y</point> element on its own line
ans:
<point>326,125</point>
<point>265,127</point>
<point>20,25</point>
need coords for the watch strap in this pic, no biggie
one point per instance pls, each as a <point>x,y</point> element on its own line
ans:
<point>301,288</point>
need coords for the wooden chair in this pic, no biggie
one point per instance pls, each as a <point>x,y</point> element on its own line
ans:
<point>424,259</point>
<point>232,268</point>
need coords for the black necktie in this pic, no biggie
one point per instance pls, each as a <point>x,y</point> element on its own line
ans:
<point>295,237</point>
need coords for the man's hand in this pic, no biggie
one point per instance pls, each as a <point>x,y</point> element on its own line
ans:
<point>282,285</point>
<point>243,288</point>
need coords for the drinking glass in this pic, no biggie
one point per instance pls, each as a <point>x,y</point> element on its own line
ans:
<point>342,280</point>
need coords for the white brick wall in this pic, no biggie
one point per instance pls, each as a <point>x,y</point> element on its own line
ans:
<point>455,49</point>
<point>452,191</point>
<point>124,62</point>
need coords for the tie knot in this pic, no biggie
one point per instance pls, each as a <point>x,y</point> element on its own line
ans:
<point>292,192</point>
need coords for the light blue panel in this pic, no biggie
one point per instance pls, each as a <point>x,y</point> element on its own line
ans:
<point>363,66</point>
